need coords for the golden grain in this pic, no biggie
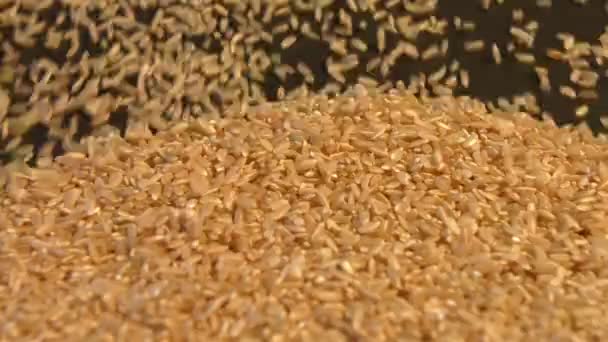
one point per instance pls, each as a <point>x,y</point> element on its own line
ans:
<point>319,217</point>
<point>525,58</point>
<point>464,78</point>
<point>568,91</point>
<point>582,111</point>
<point>288,41</point>
<point>336,206</point>
<point>474,45</point>
<point>496,55</point>
<point>522,36</point>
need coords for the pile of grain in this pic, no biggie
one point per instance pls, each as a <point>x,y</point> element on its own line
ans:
<point>77,68</point>
<point>365,217</point>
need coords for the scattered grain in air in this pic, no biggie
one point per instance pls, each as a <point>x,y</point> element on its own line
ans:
<point>543,78</point>
<point>584,78</point>
<point>525,58</point>
<point>381,15</point>
<point>457,23</point>
<point>381,38</point>
<point>306,72</point>
<point>373,64</point>
<point>532,26</point>
<point>454,66</point>
<point>474,45</point>
<point>408,49</point>
<point>445,45</point>
<point>464,78</point>
<point>5,101</point>
<point>518,15</point>
<point>555,54</point>
<point>367,81</point>
<point>282,28</point>
<point>339,46</point>
<point>308,32</point>
<point>280,93</point>
<point>567,39</point>
<point>451,81</point>
<point>437,75</point>
<point>352,5</point>
<point>441,90</point>
<point>468,26</point>
<point>579,63</point>
<point>567,91</point>
<point>522,36</point>
<point>503,103</point>
<point>294,22</point>
<point>392,3</point>
<point>431,52</point>
<point>582,111</point>
<point>496,55</point>
<point>336,73</point>
<point>359,44</point>
<point>288,41</point>
<point>544,3</point>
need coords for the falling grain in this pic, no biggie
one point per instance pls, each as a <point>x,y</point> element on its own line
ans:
<point>496,55</point>
<point>381,38</point>
<point>525,58</point>
<point>582,111</point>
<point>522,36</point>
<point>288,41</point>
<point>474,45</point>
<point>567,91</point>
<point>431,52</point>
<point>464,78</point>
<point>543,78</point>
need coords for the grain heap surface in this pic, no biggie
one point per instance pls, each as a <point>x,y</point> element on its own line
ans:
<point>365,217</point>
<point>71,69</point>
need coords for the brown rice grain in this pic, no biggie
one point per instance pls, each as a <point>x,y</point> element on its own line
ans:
<point>331,205</point>
<point>496,55</point>
<point>582,111</point>
<point>359,44</point>
<point>474,45</point>
<point>381,38</point>
<point>522,36</point>
<point>568,91</point>
<point>464,78</point>
<point>288,41</point>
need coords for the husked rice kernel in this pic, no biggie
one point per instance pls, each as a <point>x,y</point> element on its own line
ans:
<point>582,111</point>
<point>464,78</point>
<point>525,58</point>
<point>496,55</point>
<point>288,42</point>
<point>474,46</point>
<point>568,91</point>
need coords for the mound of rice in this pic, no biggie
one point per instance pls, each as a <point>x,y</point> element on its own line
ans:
<point>366,217</point>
